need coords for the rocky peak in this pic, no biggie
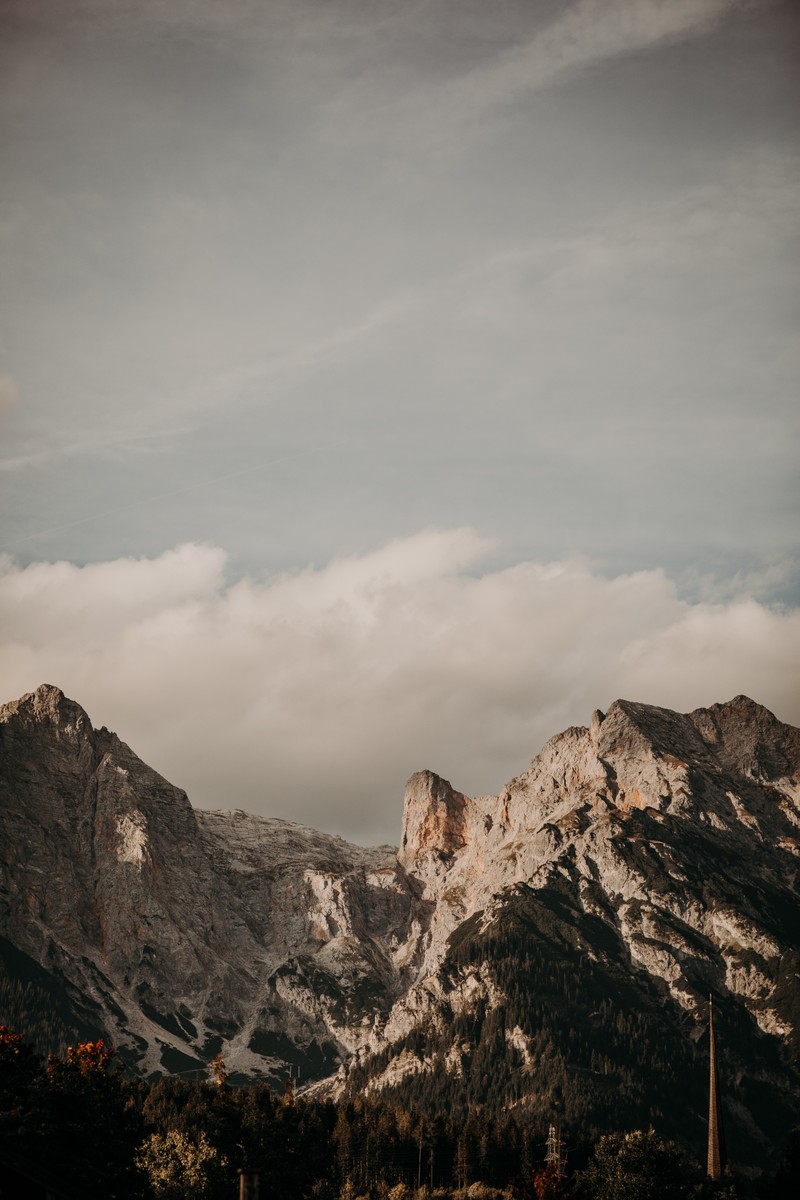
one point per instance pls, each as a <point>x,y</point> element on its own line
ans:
<point>184,932</point>
<point>95,839</point>
<point>434,818</point>
<point>639,730</point>
<point>47,705</point>
<point>182,929</point>
<point>749,739</point>
<point>739,734</point>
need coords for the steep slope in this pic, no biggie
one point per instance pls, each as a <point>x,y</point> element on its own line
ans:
<point>685,828</point>
<point>579,920</point>
<point>173,931</point>
<point>553,946</point>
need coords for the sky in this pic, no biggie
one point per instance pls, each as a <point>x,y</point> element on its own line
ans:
<point>386,384</point>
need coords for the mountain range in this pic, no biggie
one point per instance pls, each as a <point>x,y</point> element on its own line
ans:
<point>550,948</point>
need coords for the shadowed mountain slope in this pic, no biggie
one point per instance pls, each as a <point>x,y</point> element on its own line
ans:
<point>552,946</point>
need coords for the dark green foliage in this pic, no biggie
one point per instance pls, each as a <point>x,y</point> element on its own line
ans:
<point>25,1005</point>
<point>566,1006</point>
<point>637,1166</point>
<point>177,1061</point>
<point>784,1182</point>
<point>608,1048</point>
<point>79,1117</point>
<point>48,1009</point>
<point>313,1061</point>
<point>88,1122</point>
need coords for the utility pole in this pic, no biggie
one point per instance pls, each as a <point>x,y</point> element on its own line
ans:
<point>249,1184</point>
<point>555,1159</point>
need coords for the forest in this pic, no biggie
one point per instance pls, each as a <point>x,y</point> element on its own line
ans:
<point>601,1046</point>
<point>79,1125</point>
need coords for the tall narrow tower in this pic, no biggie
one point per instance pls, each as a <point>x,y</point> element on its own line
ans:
<point>716,1139</point>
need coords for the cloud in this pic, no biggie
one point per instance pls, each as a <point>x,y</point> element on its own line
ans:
<point>582,36</point>
<point>314,694</point>
<point>587,33</point>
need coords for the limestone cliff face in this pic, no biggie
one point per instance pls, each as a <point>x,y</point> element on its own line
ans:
<point>653,855</point>
<point>680,830</point>
<point>434,819</point>
<point>96,845</point>
<point>661,847</point>
<point>181,931</point>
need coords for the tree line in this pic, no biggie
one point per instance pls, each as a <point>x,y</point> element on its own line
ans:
<point>93,1130</point>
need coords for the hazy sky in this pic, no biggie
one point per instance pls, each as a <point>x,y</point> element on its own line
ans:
<point>385,385</point>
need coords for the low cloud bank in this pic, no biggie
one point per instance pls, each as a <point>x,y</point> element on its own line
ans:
<point>314,694</point>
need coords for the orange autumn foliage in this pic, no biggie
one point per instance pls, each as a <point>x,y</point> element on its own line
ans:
<point>86,1058</point>
<point>549,1185</point>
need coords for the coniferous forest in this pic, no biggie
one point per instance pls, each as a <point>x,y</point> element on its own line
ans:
<point>78,1125</point>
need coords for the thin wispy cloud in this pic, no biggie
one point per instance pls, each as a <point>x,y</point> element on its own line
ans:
<point>451,115</point>
<point>585,34</point>
<point>750,209</point>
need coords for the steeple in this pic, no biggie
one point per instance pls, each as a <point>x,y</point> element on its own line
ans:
<point>716,1138</point>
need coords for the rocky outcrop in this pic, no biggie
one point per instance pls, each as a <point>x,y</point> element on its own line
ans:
<point>656,851</point>
<point>662,848</point>
<point>182,931</point>
<point>433,819</point>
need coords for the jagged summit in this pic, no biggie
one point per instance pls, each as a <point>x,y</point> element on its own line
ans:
<point>749,738</point>
<point>46,703</point>
<point>631,756</point>
<point>433,817</point>
<point>651,856</point>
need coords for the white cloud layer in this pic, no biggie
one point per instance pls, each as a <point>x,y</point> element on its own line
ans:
<point>314,694</point>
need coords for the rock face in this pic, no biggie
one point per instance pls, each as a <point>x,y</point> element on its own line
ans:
<point>180,931</point>
<point>684,827</point>
<point>518,945</point>
<point>434,819</point>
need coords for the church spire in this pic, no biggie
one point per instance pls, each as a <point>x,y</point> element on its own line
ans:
<point>716,1140</point>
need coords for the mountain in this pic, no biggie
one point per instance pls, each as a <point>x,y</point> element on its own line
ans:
<point>552,947</point>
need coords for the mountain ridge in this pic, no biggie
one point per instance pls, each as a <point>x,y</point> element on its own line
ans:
<point>652,853</point>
